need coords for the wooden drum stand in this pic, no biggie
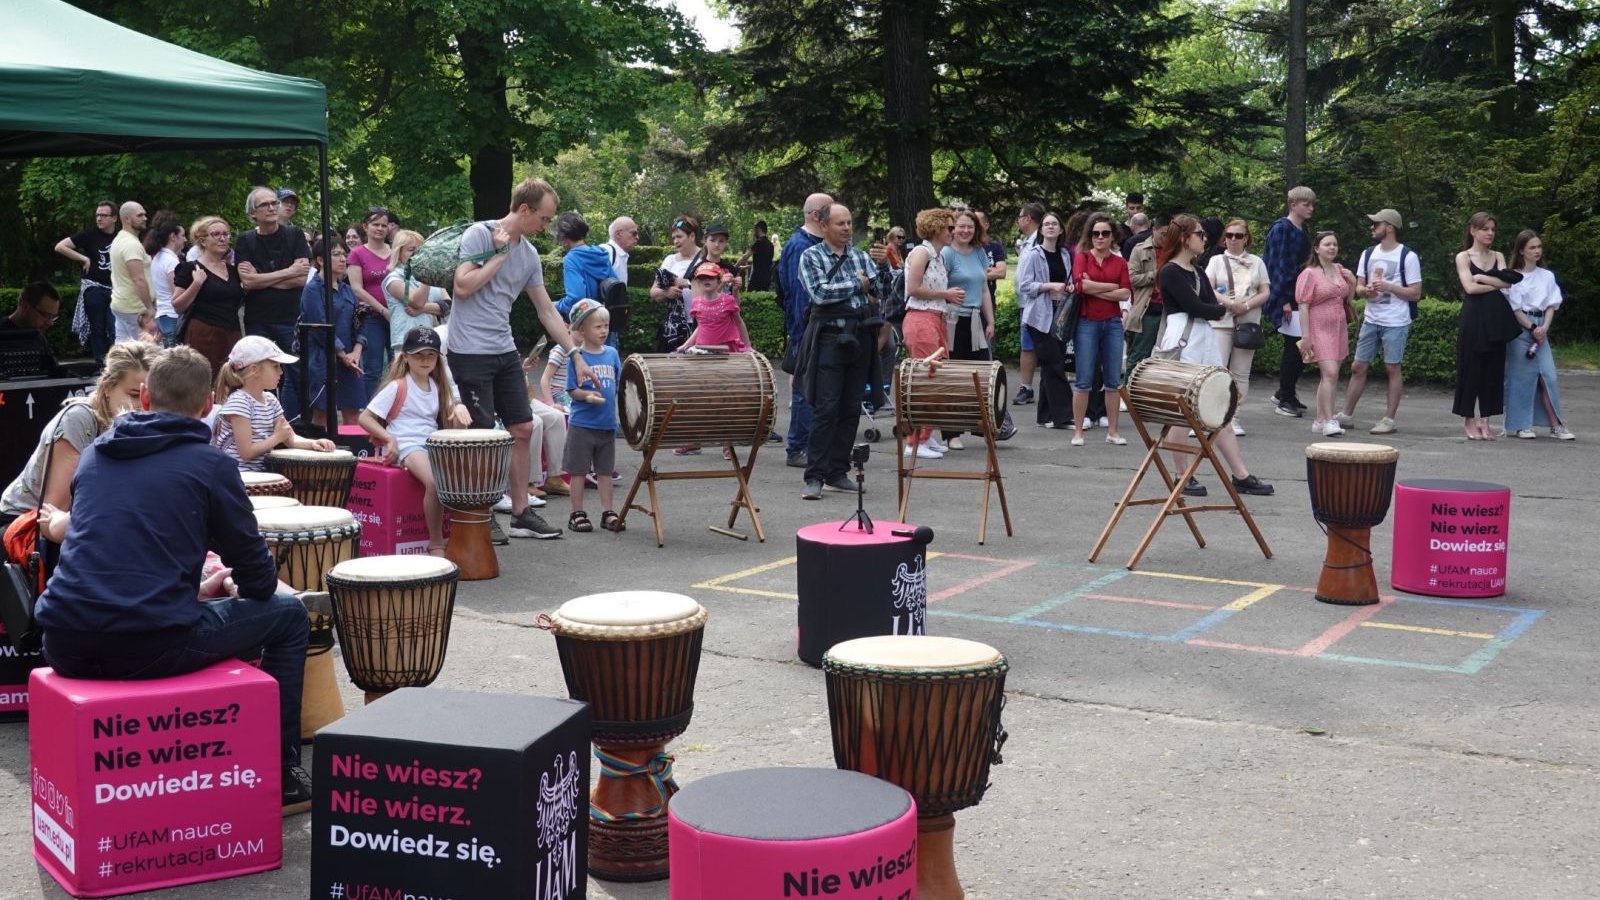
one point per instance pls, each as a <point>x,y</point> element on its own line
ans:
<point>907,421</point>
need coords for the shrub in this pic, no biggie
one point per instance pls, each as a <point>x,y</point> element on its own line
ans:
<point>1430,349</point>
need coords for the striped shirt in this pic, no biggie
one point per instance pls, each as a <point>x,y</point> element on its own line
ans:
<point>263,418</point>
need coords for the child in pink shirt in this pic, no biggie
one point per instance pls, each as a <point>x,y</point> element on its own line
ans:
<point>715,312</point>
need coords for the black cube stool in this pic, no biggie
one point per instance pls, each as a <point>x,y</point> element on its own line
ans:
<point>435,793</point>
<point>853,584</point>
<point>792,833</point>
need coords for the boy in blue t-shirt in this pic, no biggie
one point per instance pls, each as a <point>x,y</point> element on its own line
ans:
<point>592,425</point>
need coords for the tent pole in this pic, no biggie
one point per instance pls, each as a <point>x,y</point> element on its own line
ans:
<point>332,382</point>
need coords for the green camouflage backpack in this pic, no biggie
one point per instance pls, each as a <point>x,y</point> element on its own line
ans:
<point>434,264</point>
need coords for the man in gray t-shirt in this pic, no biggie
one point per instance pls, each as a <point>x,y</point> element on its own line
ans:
<point>497,264</point>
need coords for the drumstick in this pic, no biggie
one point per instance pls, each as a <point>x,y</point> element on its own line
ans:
<point>728,532</point>
<point>932,359</point>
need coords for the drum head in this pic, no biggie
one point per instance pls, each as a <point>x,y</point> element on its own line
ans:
<point>907,651</point>
<point>469,436</point>
<point>313,456</point>
<point>303,518</point>
<point>262,479</point>
<point>271,502</point>
<point>633,401</point>
<point>629,608</point>
<point>1214,400</point>
<point>381,569</point>
<point>1354,452</point>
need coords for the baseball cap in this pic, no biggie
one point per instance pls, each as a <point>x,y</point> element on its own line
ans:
<point>1388,217</point>
<point>285,193</point>
<point>716,229</point>
<point>582,309</point>
<point>419,339</point>
<point>255,348</point>
<point>708,270</point>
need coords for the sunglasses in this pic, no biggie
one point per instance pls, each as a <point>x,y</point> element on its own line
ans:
<point>1235,236</point>
<point>1100,233</point>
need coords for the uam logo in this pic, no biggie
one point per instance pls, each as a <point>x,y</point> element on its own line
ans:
<point>910,589</point>
<point>558,799</point>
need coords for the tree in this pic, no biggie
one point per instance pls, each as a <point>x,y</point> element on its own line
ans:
<point>992,101</point>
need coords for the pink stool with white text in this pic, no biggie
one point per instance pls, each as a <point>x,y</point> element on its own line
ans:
<point>387,501</point>
<point>139,785</point>
<point>792,833</point>
<point>1451,538</point>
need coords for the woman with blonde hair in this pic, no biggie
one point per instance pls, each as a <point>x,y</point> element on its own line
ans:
<point>412,304</point>
<point>207,293</point>
<point>928,305</point>
<point>1241,282</point>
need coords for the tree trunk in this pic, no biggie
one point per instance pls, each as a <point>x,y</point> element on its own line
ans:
<point>908,139</point>
<point>490,162</point>
<point>1294,116</point>
<point>1503,32</point>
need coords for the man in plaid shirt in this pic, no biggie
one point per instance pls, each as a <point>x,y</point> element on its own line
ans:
<point>1286,253</point>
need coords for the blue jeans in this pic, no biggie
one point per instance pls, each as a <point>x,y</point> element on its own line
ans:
<point>233,628</point>
<point>168,326</point>
<point>840,379</point>
<point>102,326</point>
<point>1098,344</point>
<point>1523,408</point>
<point>289,392</point>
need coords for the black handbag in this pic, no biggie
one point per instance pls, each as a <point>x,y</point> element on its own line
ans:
<point>1249,335</point>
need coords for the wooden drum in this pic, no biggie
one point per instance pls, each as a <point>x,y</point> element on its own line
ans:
<point>319,478</point>
<point>633,657</point>
<point>392,615</point>
<point>470,469</point>
<point>1162,391</point>
<point>266,484</point>
<point>945,399</point>
<point>1351,486</point>
<point>923,713</point>
<point>307,541</point>
<point>714,399</point>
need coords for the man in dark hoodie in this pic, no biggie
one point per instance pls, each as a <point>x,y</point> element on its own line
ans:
<point>154,482</point>
<point>583,265</point>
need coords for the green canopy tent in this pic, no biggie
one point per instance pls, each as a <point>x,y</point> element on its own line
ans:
<point>73,84</point>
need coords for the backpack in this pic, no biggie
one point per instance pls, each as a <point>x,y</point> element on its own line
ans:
<point>434,264</point>
<point>612,292</point>
<point>1366,255</point>
<point>893,307</point>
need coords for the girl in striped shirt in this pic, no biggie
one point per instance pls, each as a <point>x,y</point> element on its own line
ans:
<point>250,422</point>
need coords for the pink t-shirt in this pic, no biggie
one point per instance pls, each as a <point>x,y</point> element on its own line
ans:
<point>718,320</point>
<point>373,268</point>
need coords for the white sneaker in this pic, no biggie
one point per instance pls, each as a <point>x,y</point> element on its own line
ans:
<point>1105,422</point>
<point>1088,423</point>
<point>1316,426</point>
<point>504,506</point>
<point>936,444</point>
<point>1122,406</point>
<point>1527,434</point>
<point>955,443</point>
<point>1384,425</point>
<point>1344,420</point>
<point>1561,433</point>
<point>926,452</point>
<point>1331,428</point>
<point>1238,429</point>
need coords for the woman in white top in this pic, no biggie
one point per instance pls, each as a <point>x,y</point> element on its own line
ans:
<point>1531,394</point>
<point>163,242</point>
<point>672,287</point>
<point>928,305</point>
<point>1240,280</point>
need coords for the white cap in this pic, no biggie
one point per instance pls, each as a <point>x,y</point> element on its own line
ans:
<point>253,349</point>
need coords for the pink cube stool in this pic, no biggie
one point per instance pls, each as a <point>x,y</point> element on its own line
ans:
<point>387,502</point>
<point>774,833</point>
<point>1451,538</point>
<point>139,785</point>
<point>14,669</point>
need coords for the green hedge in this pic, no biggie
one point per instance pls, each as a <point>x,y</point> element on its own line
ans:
<point>762,317</point>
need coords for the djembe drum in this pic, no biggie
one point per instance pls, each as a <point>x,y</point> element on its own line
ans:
<point>470,468</point>
<point>923,713</point>
<point>714,399</point>
<point>633,657</point>
<point>320,478</point>
<point>270,501</point>
<point>1351,486</point>
<point>307,541</point>
<point>266,484</point>
<point>946,399</point>
<point>392,615</point>
<point>1168,392</point>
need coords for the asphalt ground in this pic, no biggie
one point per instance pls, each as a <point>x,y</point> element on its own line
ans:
<point>1200,727</point>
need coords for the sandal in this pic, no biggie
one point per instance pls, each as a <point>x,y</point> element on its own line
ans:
<point>610,521</point>
<point>579,521</point>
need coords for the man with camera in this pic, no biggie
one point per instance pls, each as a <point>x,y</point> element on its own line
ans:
<point>838,352</point>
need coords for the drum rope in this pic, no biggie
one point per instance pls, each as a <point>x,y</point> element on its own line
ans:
<point>658,769</point>
<point>1365,551</point>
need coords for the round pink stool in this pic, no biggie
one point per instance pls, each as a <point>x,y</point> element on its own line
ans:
<point>1450,537</point>
<point>792,833</point>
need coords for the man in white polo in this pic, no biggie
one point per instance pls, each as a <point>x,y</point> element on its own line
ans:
<point>1389,276</point>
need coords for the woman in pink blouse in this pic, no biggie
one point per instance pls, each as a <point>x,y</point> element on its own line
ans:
<point>1323,291</point>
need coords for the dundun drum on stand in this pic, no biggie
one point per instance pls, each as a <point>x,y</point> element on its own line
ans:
<point>307,541</point>
<point>392,615</point>
<point>1161,391</point>
<point>924,713</point>
<point>1351,486</point>
<point>633,656</point>
<point>946,398</point>
<point>720,398</point>
<point>470,469</point>
<point>319,478</point>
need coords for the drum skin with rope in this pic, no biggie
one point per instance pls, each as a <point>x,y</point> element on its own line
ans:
<point>392,616</point>
<point>470,469</point>
<point>1163,390</point>
<point>320,478</point>
<point>719,398</point>
<point>921,712</point>
<point>1351,486</point>
<point>633,656</point>
<point>266,484</point>
<point>945,399</point>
